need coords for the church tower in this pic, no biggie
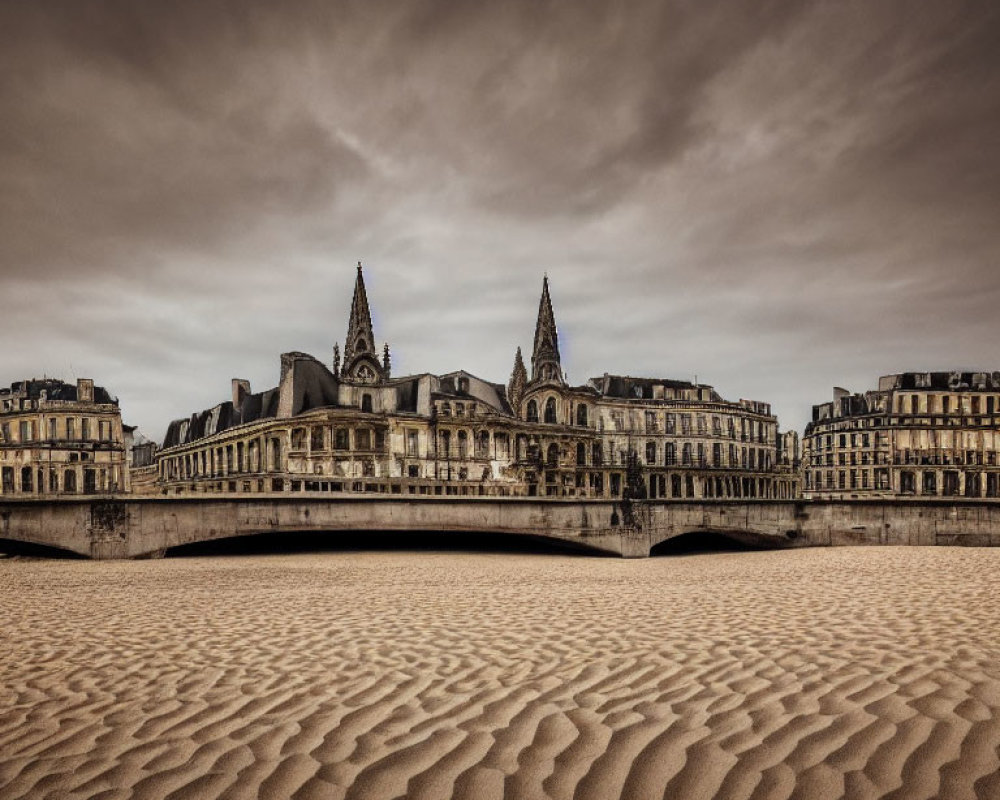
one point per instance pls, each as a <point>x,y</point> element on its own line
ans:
<point>361,362</point>
<point>545,364</point>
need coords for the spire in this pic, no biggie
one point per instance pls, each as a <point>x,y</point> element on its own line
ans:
<point>360,357</point>
<point>386,359</point>
<point>518,380</point>
<point>545,364</point>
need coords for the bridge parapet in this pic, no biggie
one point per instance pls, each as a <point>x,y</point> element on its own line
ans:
<point>130,527</point>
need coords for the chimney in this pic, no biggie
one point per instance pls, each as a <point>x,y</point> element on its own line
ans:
<point>241,388</point>
<point>85,390</point>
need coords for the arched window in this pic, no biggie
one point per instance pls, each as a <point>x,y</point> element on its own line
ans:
<point>552,455</point>
<point>581,453</point>
<point>581,415</point>
<point>550,410</point>
<point>532,412</point>
<point>366,403</point>
<point>650,452</point>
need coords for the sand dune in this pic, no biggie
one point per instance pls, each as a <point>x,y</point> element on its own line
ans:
<point>855,672</point>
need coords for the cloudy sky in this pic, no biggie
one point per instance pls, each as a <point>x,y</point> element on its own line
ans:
<point>775,197</point>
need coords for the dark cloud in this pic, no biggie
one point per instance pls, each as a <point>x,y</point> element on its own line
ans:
<point>775,196</point>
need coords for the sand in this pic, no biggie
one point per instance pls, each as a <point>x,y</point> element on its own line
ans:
<point>851,672</point>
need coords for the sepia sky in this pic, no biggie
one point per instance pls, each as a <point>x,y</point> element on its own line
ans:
<point>775,197</point>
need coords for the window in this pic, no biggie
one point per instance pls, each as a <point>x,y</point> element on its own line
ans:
<point>85,429</point>
<point>716,426</point>
<point>650,452</point>
<point>316,439</point>
<point>463,444</point>
<point>532,411</point>
<point>717,455</point>
<point>581,415</point>
<point>341,439</point>
<point>26,431</point>
<point>459,409</point>
<point>363,439</point>
<point>651,423</point>
<point>552,455</point>
<point>412,443</point>
<point>5,431</point>
<point>671,423</point>
<point>686,454</point>
<point>366,403</point>
<point>581,453</point>
<point>597,454</point>
<point>686,424</point>
<point>70,428</point>
<point>550,410</point>
<point>299,439</point>
<point>670,454</point>
<point>52,429</point>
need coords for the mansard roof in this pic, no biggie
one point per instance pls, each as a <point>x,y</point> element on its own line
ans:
<point>54,389</point>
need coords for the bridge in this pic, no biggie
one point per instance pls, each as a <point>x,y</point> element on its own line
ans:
<point>118,527</point>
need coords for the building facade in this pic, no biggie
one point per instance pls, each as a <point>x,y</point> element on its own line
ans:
<point>920,433</point>
<point>58,438</point>
<point>355,428</point>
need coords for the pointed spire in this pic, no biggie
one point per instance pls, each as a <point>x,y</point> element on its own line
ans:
<point>545,363</point>
<point>518,380</point>
<point>336,359</point>
<point>386,360</point>
<point>360,344</point>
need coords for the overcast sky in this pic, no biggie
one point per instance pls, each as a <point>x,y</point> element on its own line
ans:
<point>775,197</point>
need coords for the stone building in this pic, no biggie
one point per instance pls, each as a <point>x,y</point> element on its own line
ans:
<point>355,428</point>
<point>920,433</point>
<point>59,438</point>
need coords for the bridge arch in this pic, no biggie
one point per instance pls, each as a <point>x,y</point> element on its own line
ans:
<point>401,541</point>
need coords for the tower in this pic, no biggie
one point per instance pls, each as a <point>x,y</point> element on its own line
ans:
<point>361,362</point>
<point>545,364</point>
<point>517,383</point>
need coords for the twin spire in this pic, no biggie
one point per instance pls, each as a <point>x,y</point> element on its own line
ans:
<point>545,362</point>
<point>361,362</point>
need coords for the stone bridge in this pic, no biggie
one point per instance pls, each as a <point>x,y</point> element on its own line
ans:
<point>132,527</point>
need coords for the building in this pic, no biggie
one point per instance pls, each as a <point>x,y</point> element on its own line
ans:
<point>920,433</point>
<point>59,438</point>
<point>353,427</point>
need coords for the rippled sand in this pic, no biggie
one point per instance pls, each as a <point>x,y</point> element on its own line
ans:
<point>857,672</point>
